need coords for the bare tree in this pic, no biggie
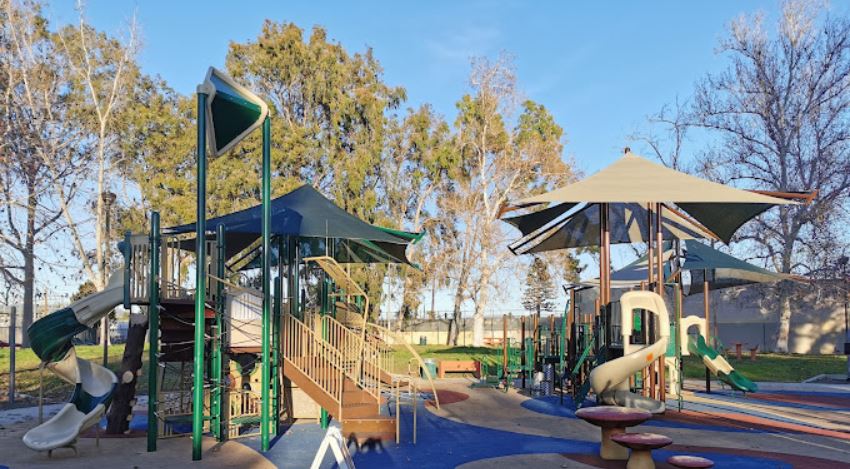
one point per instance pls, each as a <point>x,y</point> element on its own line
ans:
<point>34,107</point>
<point>101,72</point>
<point>498,162</point>
<point>781,111</point>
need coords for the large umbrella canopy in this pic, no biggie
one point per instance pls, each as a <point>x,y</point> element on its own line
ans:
<point>305,213</point>
<point>721,209</point>
<point>559,227</point>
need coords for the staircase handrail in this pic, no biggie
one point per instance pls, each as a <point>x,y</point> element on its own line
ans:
<point>295,329</point>
<point>366,356</point>
<point>398,338</point>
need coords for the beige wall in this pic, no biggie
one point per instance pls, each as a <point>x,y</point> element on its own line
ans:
<point>749,315</point>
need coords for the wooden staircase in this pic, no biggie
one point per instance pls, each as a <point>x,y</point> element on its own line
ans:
<point>332,378</point>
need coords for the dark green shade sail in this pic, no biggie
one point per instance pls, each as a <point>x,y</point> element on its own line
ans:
<point>723,219</point>
<point>307,214</point>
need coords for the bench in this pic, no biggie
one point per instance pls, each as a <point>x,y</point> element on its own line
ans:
<point>458,366</point>
<point>492,341</point>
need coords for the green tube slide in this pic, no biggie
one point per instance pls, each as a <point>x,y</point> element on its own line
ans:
<point>94,385</point>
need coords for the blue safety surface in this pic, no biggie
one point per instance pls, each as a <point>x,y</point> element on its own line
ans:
<point>552,406</point>
<point>444,443</point>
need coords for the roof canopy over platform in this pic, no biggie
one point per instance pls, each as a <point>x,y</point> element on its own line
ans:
<point>306,213</point>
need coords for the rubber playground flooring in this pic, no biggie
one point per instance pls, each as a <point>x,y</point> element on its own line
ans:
<point>484,428</point>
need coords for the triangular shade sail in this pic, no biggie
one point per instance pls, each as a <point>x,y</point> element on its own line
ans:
<point>628,224</point>
<point>633,179</point>
<point>305,213</point>
<point>722,270</point>
<point>633,274</point>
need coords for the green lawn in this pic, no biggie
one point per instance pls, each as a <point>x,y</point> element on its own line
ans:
<point>767,367</point>
<point>776,367</point>
<point>445,352</point>
<point>55,390</point>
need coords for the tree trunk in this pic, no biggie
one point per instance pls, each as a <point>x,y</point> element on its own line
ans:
<point>454,324</point>
<point>478,327</point>
<point>783,336</point>
<point>29,266</point>
<point>120,412</point>
<point>478,319</point>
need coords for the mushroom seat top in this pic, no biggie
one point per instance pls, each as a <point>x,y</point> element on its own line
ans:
<point>688,462</point>
<point>614,416</point>
<point>641,441</point>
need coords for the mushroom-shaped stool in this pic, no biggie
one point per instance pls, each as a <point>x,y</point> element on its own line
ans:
<point>690,462</point>
<point>641,445</point>
<point>613,420</point>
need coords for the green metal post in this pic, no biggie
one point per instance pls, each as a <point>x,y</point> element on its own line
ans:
<point>216,403</point>
<point>278,310</point>
<point>322,312</point>
<point>200,282</point>
<point>264,396</point>
<point>153,331</point>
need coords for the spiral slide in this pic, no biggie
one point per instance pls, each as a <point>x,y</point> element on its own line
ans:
<point>93,384</point>
<point>610,381</point>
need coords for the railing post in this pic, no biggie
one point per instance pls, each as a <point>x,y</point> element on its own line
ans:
<point>153,329</point>
<point>128,258</point>
<point>324,322</point>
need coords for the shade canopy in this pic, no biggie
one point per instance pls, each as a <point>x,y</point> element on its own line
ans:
<point>306,213</point>
<point>633,179</point>
<point>559,227</point>
<point>702,261</point>
<point>722,270</point>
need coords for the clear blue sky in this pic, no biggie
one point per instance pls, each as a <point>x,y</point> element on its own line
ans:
<point>599,67</point>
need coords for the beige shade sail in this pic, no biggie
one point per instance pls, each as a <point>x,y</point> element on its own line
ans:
<point>632,179</point>
<point>636,179</point>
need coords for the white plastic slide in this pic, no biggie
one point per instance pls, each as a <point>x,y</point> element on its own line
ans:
<point>93,384</point>
<point>610,381</point>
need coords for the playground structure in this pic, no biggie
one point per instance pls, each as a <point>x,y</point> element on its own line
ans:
<point>332,356</point>
<point>227,358</point>
<point>617,206</point>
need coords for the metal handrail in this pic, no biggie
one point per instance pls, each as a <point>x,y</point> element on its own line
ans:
<point>301,343</point>
<point>398,338</point>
